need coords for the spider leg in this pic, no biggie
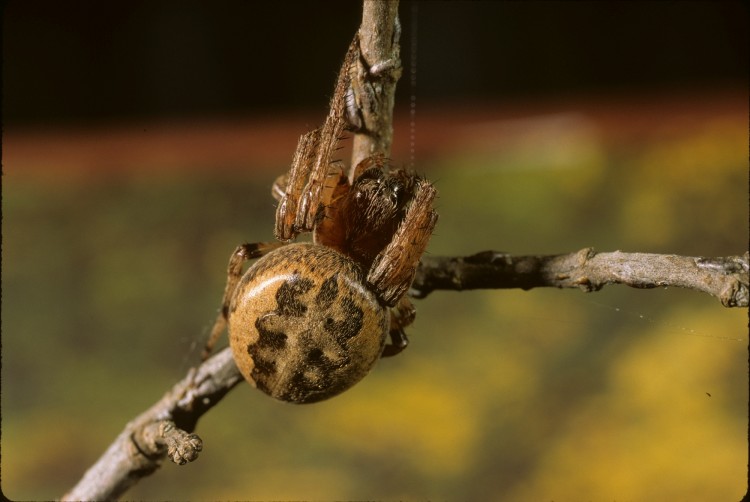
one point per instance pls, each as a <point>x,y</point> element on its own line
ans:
<point>242,254</point>
<point>393,270</point>
<point>333,127</point>
<point>286,212</point>
<point>402,315</point>
<point>399,342</point>
<point>278,189</point>
<point>300,200</point>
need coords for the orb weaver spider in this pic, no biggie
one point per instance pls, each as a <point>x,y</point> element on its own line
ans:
<point>309,320</point>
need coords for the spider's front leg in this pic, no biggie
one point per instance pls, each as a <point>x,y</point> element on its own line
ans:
<point>330,133</point>
<point>393,271</point>
<point>237,260</point>
<point>300,203</point>
<point>289,195</point>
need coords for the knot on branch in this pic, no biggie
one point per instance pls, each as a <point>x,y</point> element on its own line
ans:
<point>733,270</point>
<point>736,295</point>
<point>157,438</point>
<point>182,446</point>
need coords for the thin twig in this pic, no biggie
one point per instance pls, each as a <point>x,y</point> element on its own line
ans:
<point>725,278</point>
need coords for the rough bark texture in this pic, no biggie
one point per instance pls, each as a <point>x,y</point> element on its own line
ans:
<point>726,278</point>
<point>165,429</point>
<point>374,80</point>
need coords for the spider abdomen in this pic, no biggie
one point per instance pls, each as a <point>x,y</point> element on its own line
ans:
<point>303,326</point>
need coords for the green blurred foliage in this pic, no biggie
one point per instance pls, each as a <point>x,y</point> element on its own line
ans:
<point>109,284</point>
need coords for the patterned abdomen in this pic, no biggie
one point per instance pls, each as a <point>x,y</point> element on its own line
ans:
<point>303,326</point>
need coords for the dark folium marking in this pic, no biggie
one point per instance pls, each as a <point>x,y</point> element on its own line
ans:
<point>331,376</point>
<point>265,351</point>
<point>262,366</point>
<point>351,322</point>
<point>316,372</point>
<point>328,293</point>
<point>271,342</point>
<point>304,387</point>
<point>315,356</point>
<point>287,296</point>
<point>350,326</point>
<point>270,339</point>
<point>328,383</point>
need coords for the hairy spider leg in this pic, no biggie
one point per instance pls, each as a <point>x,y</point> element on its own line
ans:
<point>237,260</point>
<point>286,213</point>
<point>278,189</point>
<point>333,127</point>
<point>393,270</point>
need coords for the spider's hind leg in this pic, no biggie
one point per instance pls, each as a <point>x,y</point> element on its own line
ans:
<point>402,315</point>
<point>242,254</point>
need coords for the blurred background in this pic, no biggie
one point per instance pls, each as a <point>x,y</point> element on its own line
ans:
<point>140,140</point>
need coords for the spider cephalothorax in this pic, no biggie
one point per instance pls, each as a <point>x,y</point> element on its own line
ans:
<point>367,216</point>
<point>308,321</point>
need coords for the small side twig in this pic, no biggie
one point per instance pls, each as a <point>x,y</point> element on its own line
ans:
<point>726,278</point>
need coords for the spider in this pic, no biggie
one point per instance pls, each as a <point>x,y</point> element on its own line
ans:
<point>309,320</point>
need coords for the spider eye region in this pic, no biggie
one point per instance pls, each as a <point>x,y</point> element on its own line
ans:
<point>395,192</point>
<point>302,325</point>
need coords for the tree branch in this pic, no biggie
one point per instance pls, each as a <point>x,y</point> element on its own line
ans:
<point>164,429</point>
<point>724,278</point>
<point>374,80</point>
